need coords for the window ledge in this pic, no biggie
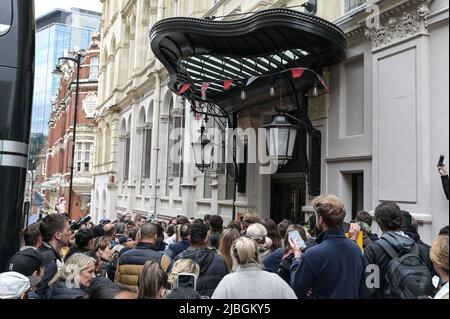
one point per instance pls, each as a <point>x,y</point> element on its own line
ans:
<point>203,201</point>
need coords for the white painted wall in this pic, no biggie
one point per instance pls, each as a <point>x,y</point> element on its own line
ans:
<point>102,208</point>
<point>439,123</point>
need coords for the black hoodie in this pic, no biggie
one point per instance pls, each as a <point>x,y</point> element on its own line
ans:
<point>413,234</point>
<point>212,268</point>
<point>374,254</point>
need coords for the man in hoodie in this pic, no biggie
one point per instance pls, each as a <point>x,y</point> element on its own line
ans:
<point>212,266</point>
<point>410,228</point>
<point>390,219</point>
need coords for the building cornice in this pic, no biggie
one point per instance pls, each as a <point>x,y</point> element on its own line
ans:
<point>354,23</point>
<point>400,28</point>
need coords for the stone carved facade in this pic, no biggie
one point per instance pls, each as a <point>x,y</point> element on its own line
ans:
<point>399,28</point>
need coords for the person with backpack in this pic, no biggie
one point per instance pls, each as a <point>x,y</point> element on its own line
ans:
<point>403,267</point>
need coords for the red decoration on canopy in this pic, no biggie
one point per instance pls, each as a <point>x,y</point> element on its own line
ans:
<point>227,84</point>
<point>205,86</point>
<point>185,87</point>
<point>297,73</point>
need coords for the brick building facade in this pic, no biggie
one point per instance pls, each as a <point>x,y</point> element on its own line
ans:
<point>59,148</point>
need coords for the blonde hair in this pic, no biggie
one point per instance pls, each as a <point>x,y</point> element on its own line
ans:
<point>258,233</point>
<point>244,251</point>
<point>183,265</point>
<point>331,209</point>
<point>439,252</point>
<point>72,268</point>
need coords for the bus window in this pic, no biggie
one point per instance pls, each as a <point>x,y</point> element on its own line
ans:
<point>5,16</point>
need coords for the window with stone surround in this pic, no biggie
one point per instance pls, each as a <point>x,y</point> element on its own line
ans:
<point>349,5</point>
<point>94,67</point>
<point>83,152</point>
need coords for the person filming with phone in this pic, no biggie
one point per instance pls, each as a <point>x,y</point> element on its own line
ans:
<point>442,169</point>
<point>296,233</point>
<point>183,280</point>
<point>333,269</point>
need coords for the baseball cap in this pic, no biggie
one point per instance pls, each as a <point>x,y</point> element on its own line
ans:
<point>26,262</point>
<point>13,285</point>
<point>105,221</point>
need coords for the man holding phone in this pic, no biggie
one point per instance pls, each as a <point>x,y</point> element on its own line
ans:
<point>442,169</point>
<point>333,269</point>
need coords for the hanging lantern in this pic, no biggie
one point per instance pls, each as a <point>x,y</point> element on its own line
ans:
<point>281,136</point>
<point>202,153</point>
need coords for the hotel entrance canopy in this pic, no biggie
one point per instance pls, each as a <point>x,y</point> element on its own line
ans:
<point>246,54</point>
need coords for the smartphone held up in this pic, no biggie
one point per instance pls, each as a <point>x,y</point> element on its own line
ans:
<point>187,280</point>
<point>295,237</point>
<point>441,160</point>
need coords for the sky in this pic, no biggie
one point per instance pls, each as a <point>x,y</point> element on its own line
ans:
<point>44,6</point>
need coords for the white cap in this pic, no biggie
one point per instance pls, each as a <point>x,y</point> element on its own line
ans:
<point>13,285</point>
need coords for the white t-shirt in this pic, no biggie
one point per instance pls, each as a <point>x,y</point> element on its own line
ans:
<point>442,292</point>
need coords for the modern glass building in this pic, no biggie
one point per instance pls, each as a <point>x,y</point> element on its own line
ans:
<point>57,33</point>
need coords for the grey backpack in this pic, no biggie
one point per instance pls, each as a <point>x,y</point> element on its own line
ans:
<point>407,276</point>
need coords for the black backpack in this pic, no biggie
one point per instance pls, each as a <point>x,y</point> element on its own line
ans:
<point>407,276</point>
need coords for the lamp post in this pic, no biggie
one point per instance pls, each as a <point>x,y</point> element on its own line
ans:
<point>281,137</point>
<point>203,155</point>
<point>202,152</point>
<point>77,60</point>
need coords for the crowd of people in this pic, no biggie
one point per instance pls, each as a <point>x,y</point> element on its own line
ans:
<point>251,258</point>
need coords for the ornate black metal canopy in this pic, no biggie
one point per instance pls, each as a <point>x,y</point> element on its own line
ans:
<point>265,44</point>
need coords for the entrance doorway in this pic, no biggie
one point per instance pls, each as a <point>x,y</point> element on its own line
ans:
<point>288,196</point>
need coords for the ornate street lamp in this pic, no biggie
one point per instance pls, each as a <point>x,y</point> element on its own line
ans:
<point>202,152</point>
<point>77,60</point>
<point>281,136</point>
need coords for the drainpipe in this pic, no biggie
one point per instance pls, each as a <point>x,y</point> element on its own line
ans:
<point>155,141</point>
<point>156,122</point>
